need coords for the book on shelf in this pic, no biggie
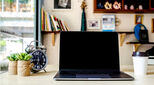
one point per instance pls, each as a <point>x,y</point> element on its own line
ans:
<point>42,19</point>
<point>52,23</point>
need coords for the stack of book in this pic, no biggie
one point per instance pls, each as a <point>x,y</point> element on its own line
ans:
<point>52,23</point>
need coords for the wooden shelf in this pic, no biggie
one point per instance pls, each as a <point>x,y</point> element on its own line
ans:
<point>140,43</point>
<point>136,45</point>
<point>148,6</point>
<point>122,11</point>
<point>52,35</point>
<point>121,32</point>
<point>50,31</point>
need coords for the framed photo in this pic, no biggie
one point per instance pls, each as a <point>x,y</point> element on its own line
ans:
<point>153,25</point>
<point>138,19</point>
<point>62,5</point>
<point>93,24</point>
<point>108,23</point>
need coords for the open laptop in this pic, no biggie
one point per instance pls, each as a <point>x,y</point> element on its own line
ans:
<point>89,56</point>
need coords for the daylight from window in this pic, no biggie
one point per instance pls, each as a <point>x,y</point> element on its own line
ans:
<point>16,27</point>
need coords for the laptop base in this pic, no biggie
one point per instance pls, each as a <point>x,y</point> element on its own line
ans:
<point>93,77</point>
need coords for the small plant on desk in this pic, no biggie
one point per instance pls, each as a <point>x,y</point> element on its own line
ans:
<point>12,64</point>
<point>24,64</point>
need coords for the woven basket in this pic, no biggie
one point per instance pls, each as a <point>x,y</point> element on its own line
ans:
<point>12,69</point>
<point>24,68</point>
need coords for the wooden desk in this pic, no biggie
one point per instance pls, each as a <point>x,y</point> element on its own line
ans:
<point>47,79</point>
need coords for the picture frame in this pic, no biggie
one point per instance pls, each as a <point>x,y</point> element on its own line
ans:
<point>93,24</point>
<point>152,25</point>
<point>139,19</point>
<point>62,5</point>
<point>108,23</point>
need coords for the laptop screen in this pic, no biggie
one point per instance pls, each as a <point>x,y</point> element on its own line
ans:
<point>89,51</point>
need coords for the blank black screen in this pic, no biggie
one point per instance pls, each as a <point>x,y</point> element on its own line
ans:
<point>89,51</point>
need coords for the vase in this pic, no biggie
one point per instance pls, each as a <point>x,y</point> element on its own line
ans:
<point>12,69</point>
<point>24,68</point>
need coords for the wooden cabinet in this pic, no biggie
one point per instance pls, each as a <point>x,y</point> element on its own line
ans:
<point>126,6</point>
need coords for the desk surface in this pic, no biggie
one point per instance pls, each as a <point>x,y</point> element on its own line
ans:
<point>43,78</point>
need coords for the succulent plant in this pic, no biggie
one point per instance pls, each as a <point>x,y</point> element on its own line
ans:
<point>13,57</point>
<point>24,57</point>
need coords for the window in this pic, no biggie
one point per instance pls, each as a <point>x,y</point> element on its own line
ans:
<point>16,5</point>
<point>0,5</point>
<point>9,5</point>
<point>16,26</point>
<point>25,6</point>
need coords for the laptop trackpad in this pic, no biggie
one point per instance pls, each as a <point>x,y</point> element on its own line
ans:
<point>93,76</point>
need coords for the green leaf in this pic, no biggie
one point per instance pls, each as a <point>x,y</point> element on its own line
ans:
<point>13,57</point>
<point>24,56</point>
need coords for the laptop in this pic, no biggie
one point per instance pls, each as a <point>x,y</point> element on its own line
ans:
<point>89,56</point>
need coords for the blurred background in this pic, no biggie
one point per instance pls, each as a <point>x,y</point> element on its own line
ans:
<point>16,28</point>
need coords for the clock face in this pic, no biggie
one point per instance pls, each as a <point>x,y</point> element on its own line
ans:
<point>39,59</point>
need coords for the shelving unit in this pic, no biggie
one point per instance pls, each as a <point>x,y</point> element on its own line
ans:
<point>136,45</point>
<point>123,34</point>
<point>52,35</point>
<point>148,7</point>
<point>140,43</point>
<point>50,32</point>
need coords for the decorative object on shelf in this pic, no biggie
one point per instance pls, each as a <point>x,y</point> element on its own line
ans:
<point>141,33</point>
<point>117,5</point>
<point>152,25</point>
<point>140,7</point>
<point>132,7</point>
<point>138,19</point>
<point>126,7</point>
<point>117,21</point>
<point>100,6</point>
<point>12,69</point>
<point>83,20</point>
<point>144,37</point>
<point>62,4</point>
<point>93,24</point>
<point>108,5</point>
<point>137,30</point>
<point>108,23</point>
<point>39,58</point>
<point>24,64</point>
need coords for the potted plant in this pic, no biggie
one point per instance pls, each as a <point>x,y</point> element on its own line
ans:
<point>12,69</point>
<point>24,64</point>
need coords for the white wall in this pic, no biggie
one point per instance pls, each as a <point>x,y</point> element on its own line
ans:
<point>73,19</point>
